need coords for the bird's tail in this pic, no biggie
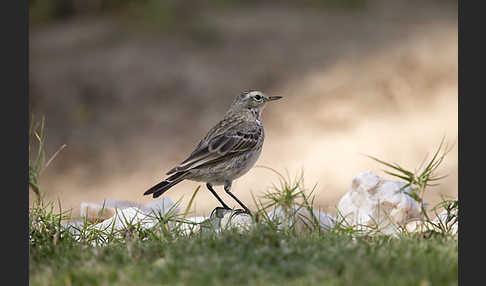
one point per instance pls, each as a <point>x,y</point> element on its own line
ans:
<point>166,184</point>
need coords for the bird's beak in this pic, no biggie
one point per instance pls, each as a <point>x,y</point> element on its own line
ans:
<point>272,98</point>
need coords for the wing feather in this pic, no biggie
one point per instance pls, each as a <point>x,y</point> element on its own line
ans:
<point>231,142</point>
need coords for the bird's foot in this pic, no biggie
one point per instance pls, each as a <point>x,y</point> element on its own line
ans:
<point>220,211</point>
<point>241,211</point>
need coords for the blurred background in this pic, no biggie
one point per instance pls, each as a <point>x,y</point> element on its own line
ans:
<point>131,86</point>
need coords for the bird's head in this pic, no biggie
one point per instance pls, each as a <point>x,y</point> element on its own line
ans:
<point>252,100</point>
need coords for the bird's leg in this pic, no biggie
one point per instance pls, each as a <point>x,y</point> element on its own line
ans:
<point>210,188</point>
<point>227,188</point>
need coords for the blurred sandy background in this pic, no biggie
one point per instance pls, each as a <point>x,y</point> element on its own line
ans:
<point>132,86</point>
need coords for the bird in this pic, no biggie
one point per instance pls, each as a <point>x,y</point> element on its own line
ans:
<point>228,151</point>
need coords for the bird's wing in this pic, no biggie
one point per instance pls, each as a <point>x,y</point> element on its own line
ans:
<point>233,141</point>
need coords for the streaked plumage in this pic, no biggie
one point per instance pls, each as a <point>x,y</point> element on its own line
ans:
<point>227,152</point>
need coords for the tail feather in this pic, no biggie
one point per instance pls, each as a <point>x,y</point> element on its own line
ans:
<point>166,184</point>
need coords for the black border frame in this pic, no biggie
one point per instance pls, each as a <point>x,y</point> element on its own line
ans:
<point>15,125</point>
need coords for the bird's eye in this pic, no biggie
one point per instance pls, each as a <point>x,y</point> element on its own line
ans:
<point>258,97</point>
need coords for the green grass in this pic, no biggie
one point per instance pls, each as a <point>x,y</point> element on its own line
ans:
<point>266,254</point>
<point>261,256</point>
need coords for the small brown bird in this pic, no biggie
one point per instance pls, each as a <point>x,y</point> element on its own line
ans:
<point>227,152</point>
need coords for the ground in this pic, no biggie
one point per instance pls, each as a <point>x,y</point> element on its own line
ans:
<point>259,257</point>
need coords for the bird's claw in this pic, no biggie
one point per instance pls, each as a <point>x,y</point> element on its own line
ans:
<point>219,211</point>
<point>240,211</point>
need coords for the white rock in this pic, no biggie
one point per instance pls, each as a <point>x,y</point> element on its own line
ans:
<point>442,219</point>
<point>440,223</point>
<point>197,219</point>
<point>94,212</point>
<point>127,217</point>
<point>376,202</point>
<point>419,226</point>
<point>241,221</point>
<point>224,219</point>
<point>100,211</point>
<point>193,224</point>
<point>119,204</point>
<point>302,218</point>
<point>115,215</point>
